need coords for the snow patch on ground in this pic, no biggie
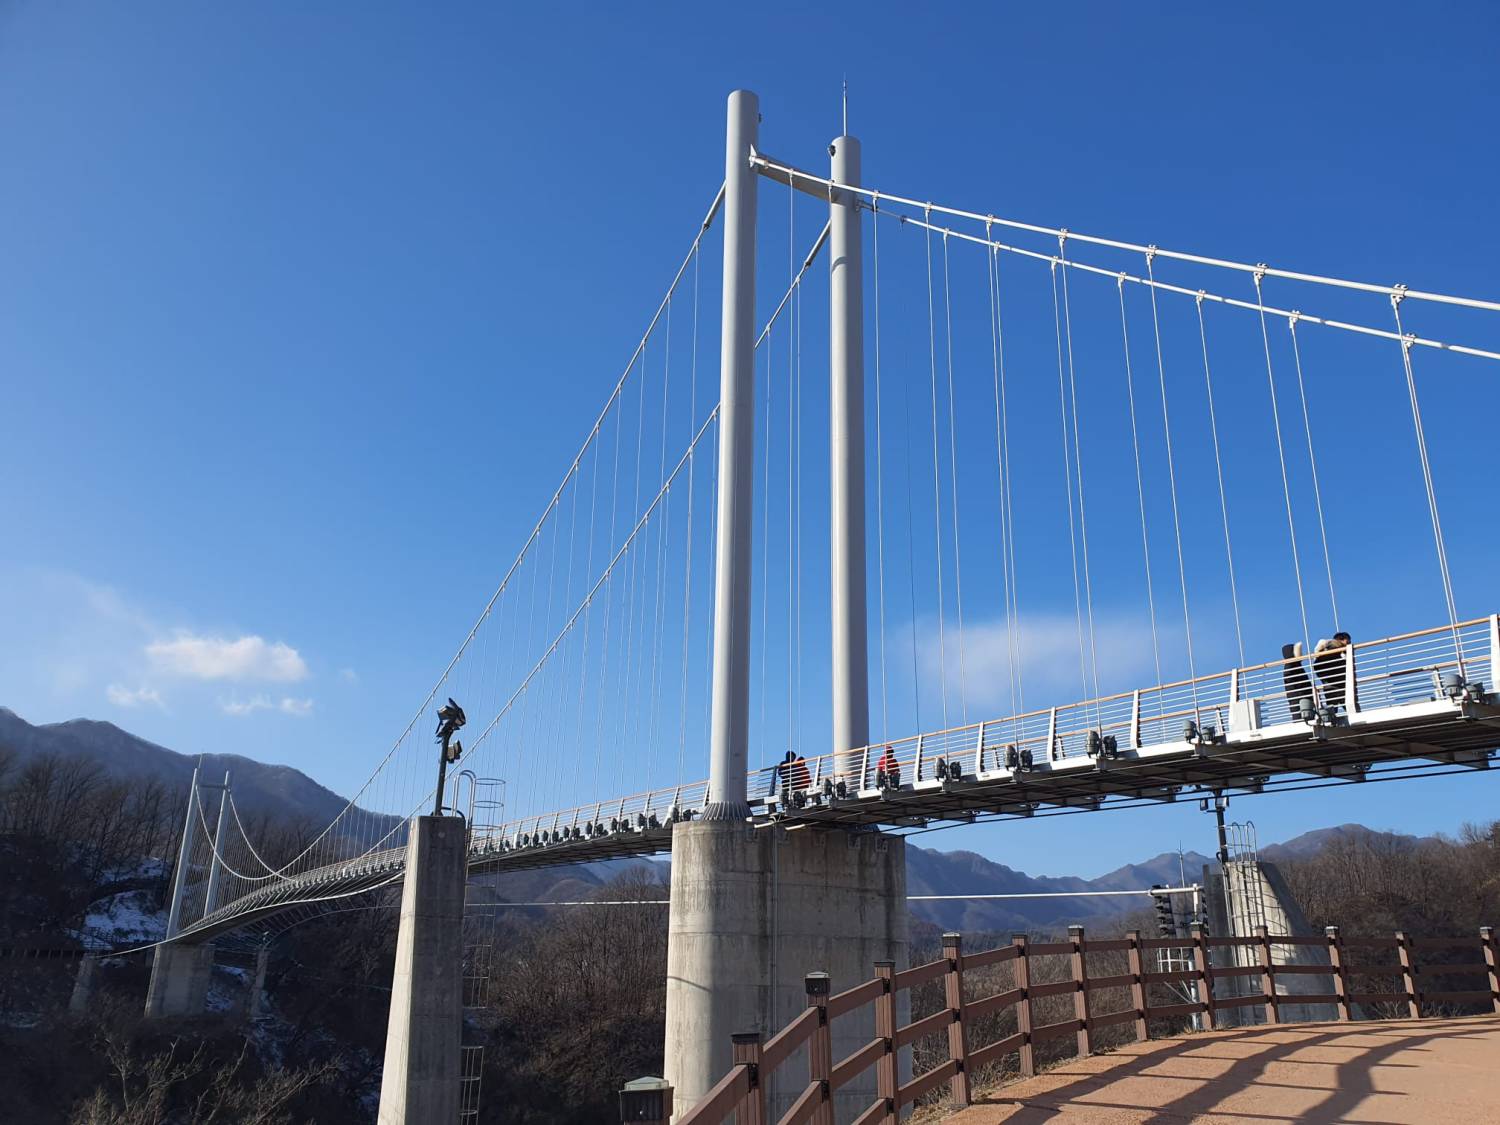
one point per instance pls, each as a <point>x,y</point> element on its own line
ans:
<point>119,919</point>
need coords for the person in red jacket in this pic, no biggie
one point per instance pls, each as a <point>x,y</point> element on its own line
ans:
<point>890,767</point>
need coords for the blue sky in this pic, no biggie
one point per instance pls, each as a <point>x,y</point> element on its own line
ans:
<point>305,308</point>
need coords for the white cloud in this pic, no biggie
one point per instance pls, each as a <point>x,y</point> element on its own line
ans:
<point>215,658</point>
<point>286,705</point>
<point>122,696</point>
<point>1047,662</point>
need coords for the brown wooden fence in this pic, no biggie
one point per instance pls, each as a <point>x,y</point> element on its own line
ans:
<point>740,1094</point>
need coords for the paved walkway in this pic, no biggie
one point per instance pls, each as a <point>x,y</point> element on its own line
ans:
<point>1401,1072</point>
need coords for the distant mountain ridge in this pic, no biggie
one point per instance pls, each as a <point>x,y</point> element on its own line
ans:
<point>258,788</point>
<point>287,792</point>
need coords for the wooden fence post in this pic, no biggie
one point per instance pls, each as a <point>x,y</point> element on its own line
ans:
<point>953,993</point>
<point>1340,970</point>
<point>752,1107</point>
<point>1409,975</point>
<point>1138,985</point>
<point>1023,1006</point>
<point>1080,990</point>
<point>1492,962</point>
<point>885,1029</point>
<point>1205,974</point>
<point>820,1046</point>
<point>1267,975</point>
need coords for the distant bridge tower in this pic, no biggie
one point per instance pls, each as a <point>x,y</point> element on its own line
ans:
<point>753,910</point>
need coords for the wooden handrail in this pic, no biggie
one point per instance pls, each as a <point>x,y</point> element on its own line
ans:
<point>741,1090</point>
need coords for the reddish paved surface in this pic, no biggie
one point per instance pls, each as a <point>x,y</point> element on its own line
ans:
<point>1401,1072</point>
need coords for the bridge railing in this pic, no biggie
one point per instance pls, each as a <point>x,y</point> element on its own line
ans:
<point>963,1019</point>
<point>1391,671</point>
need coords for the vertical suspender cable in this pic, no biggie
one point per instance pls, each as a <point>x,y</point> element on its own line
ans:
<point>1432,506</point>
<point>937,503</point>
<point>1312,461</point>
<point>885,715</point>
<point>1286,487</point>
<point>1161,377</point>
<point>1062,403</point>
<point>958,569</point>
<point>1002,476</point>
<point>1083,523</point>
<point>1213,427</point>
<point>1140,487</point>
<point>687,564</point>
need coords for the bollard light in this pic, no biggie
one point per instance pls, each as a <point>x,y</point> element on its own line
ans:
<point>817,984</point>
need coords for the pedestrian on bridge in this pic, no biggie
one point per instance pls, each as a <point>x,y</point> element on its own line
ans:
<point>790,775</point>
<point>889,768</point>
<point>1298,683</point>
<point>1329,664</point>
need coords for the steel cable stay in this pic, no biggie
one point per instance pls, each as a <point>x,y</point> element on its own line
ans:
<point>1286,488</point>
<point>885,716</point>
<point>1333,601</point>
<point>1062,404</point>
<point>1083,523</point>
<point>1432,505</point>
<point>958,566</point>
<point>1213,427</point>
<point>761,162</point>
<point>937,502</point>
<point>1140,487</point>
<point>322,838</point>
<point>1150,282</point>
<point>1161,377</point>
<point>1001,474</point>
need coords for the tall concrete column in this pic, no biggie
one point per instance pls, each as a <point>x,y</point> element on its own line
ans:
<point>420,1081</point>
<point>730,723</point>
<point>753,912</point>
<point>180,974</point>
<point>846,443</point>
<point>83,984</point>
<point>255,1003</point>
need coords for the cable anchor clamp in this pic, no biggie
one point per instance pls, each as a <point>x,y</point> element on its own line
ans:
<point>1398,294</point>
<point>1199,297</point>
<point>1292,318</point>
<point>1150,254</point>
<point>1260,273</point>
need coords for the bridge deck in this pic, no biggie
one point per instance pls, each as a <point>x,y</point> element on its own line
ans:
<point>1414,700</point>
<point>1407,1072</point>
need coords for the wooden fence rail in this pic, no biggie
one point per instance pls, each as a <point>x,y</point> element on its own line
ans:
<point>740,1096</point>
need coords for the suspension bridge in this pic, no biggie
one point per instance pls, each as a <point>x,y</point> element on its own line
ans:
<point>727,639</point>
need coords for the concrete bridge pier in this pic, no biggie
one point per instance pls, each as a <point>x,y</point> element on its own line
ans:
<point>753,912</point>
<point>179,980</point>
<point>419,1083</point>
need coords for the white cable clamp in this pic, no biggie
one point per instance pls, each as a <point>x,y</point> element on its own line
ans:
<point>1120,280</point>
<point>1150,254</point>
<point>1260,273</point>
<point>1062,241</point>
<point>1292,318</point>
<point>1398,294</point>
<point>1199,298</point>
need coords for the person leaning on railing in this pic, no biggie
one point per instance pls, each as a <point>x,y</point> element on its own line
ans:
<point>1329,664</point>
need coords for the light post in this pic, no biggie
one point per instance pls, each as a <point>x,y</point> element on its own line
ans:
<point>450,718</point>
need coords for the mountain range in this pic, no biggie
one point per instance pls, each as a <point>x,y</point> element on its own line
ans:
<point>287,792</point>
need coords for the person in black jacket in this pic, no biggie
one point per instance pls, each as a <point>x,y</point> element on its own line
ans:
<point>1329,664</point>
<point>1294,676</point>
